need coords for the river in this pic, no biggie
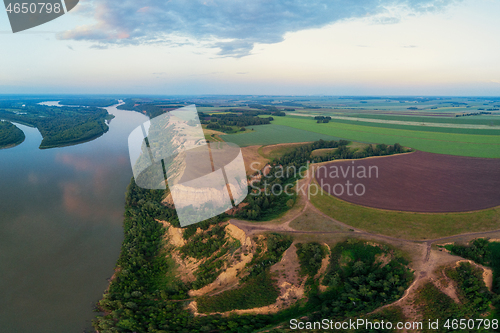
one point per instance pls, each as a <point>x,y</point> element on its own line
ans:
<point>61,213</point>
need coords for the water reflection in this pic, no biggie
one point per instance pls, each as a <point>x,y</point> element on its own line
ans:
<point>61,227</point>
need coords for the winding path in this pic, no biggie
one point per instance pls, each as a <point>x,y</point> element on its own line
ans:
<point>256,227</point>
<point>252,228</point>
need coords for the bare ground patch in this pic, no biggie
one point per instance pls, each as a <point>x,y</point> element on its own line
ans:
<point>185,267</point>
<point>253,160</point>
<point>322,270</point>
<point>446,285</point>
<point>487,272</point>
<point>275,150</point>
<point>290,284</point>
<point>228,279</point>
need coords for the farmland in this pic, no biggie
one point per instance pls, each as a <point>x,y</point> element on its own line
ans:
<point>416,182</point>
<point>425,128</point>
<point>423,125</point>
<point>483,120</point>
<point>274,134</point>
<point>256,282</point>
<point>407,225</point>
<point>434,142</point>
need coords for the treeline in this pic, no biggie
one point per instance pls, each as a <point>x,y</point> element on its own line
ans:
<point>303,153</point>
<point>151,109</point>
<point>144,296</point>
<point>477,250</point>
<point>257,288</point>
<point>267,198</point>
<point>483,252</point>
<point>277,244</point>
<point>61,126</point>
<point>322,119</point>
<point>310,257</point>
<point>210,244</point>
<point>475,297</point>
<point>95,102</point>
<point>135,300</point>
<point>271,108</point>
<point>232,122</point>
<point>228,122</point>
<point>358,282</point>
<point>10,135</point>
<point>141,298</point>
<point>204,244</point>
<point>475,301</point>
<point>475,113</point>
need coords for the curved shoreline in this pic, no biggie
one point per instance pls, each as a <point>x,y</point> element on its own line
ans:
<point>14,131</point>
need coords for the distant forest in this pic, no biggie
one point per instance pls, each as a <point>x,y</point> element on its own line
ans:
<point>151,109</point>
<point>96,102</point>
<point>10,135</point>
<point>231,121</point>
<point>60,126</point>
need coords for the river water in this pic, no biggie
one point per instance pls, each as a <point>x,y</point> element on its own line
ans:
<point>61,213</point>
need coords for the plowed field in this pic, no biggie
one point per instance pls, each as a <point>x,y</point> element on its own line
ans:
<point>416,182</point>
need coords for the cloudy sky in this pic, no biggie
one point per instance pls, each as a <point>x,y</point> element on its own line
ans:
<point>293,47</point>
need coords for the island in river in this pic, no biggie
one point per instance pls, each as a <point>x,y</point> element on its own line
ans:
<point>10,135</point>
<point>59,126</point>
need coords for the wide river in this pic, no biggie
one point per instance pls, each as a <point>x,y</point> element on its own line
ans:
<point>61,213</point>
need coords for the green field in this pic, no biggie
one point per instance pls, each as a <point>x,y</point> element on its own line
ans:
<point>273,134</point>
<point>407,225</point>
<point>424,128</point>
<point>473,120</point>
<point>434,142</point>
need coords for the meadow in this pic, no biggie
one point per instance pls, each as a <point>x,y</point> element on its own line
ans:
<point>274,134</point>
<point>481,120</point>
<point>434,142</point>
<point>420,127</point>
<point>407,225</point>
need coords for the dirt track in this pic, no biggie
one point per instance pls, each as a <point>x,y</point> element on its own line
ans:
<point>425,260</point>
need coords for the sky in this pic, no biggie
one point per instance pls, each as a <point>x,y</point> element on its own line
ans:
<point>266,47</point>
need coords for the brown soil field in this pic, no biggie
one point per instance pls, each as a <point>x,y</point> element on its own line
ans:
<point>251,155</point>
<point>416,182</point>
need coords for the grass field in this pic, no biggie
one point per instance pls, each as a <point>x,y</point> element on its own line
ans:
<point>323,152</point>
<point>274,151</point>
<point>406,224</point>
<point>434,142</point>
<point>312,221</point>
<point>475,120</point>
<point>425,128</point>
<point>274,134</point>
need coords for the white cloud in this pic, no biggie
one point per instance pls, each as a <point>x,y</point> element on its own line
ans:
<point>234,27</point>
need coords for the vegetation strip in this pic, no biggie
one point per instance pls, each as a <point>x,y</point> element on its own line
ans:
<point>10,135</point>
<point>60,126</point>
